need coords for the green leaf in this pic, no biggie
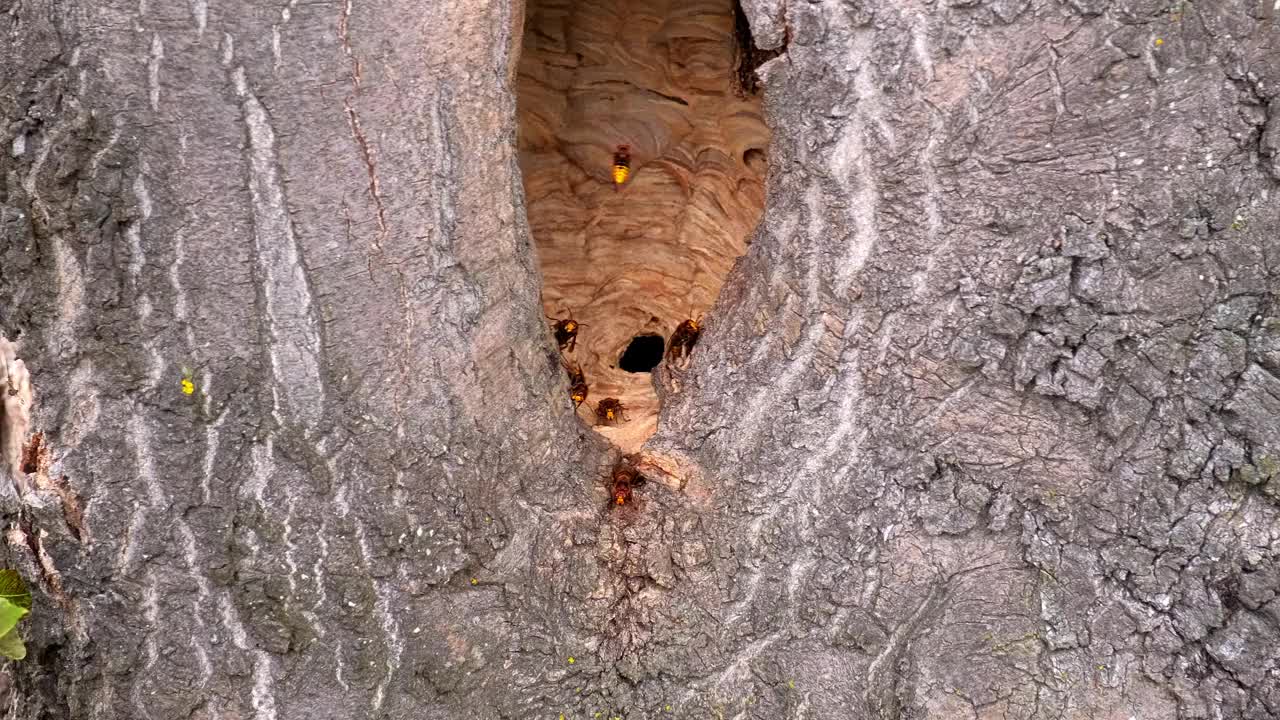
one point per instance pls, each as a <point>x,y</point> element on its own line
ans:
<point>13,589</point>
<point>11,645</point>
<point>10,614</point>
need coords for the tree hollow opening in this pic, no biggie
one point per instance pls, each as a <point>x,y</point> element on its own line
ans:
<point>663,80</point>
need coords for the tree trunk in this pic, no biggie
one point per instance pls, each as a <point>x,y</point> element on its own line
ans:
<point>986,422</point>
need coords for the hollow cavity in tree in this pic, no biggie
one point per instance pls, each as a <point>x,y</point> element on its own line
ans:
<point>662,78</point>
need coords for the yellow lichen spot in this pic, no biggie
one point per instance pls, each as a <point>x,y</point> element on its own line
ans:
<point>667,708</point>
<point>188,387</point>
<point>475,581</point>
<point>1159,42</point>
<point>791,684</point>
<point>571,660</point>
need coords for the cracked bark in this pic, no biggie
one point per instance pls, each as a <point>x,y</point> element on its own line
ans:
<point>1008,327</point>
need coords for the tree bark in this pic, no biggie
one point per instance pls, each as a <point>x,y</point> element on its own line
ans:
<point>985,424</point>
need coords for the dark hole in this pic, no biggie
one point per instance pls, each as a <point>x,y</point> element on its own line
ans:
<point>1229,591</point>
<point>643,354</point>
<point>754,158</point>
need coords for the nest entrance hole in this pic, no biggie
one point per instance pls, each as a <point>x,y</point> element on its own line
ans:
<point>642,354</point>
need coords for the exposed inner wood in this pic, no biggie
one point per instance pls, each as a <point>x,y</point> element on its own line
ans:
<point>660,77</point>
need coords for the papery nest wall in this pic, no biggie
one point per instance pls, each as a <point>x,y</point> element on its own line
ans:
<point>660,77</point>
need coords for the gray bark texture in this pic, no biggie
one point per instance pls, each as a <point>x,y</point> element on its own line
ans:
<point>986,424</point>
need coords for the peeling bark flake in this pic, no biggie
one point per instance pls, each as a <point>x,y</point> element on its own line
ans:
<point>293,336</point>
<point>153,71</point>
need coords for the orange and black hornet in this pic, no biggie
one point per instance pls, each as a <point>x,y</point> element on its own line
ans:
<point>625,478</point>
<point>621,165</point>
